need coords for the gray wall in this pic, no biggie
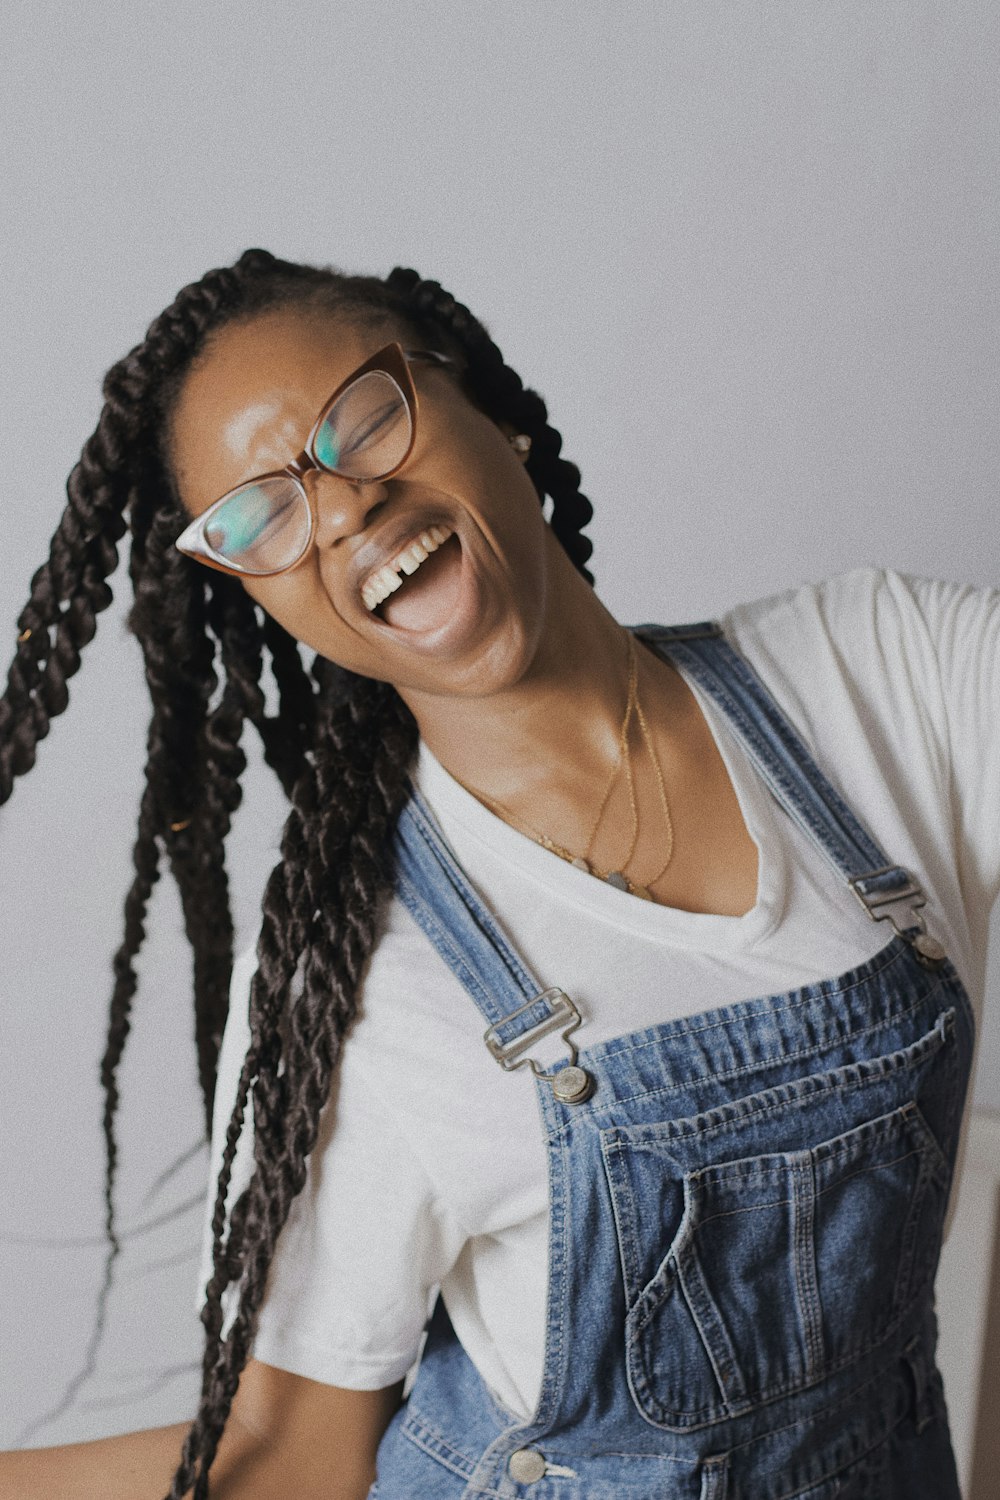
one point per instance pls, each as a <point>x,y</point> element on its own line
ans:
<point>748,253</point>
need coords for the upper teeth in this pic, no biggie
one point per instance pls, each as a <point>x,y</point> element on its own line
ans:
<point>384,582</point>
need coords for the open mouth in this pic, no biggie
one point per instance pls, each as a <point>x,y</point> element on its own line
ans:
<point>419,590</point>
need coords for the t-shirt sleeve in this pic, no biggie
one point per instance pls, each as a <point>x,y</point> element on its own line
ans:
<point>366,1242</point>
<point>963,623</point>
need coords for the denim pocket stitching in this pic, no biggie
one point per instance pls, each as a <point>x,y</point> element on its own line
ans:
<point>675,1278</point>
<point>802,1168</point>
<point>844,1079</point>
<point>759,1065</point>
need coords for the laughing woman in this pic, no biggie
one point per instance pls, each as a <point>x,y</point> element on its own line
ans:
<point>605,1044</point>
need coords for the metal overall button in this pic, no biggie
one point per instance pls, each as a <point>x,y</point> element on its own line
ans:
<point>526,1465</point>
<point>509,1039</point>
<point>929,951</point>
<point>572,1085</point>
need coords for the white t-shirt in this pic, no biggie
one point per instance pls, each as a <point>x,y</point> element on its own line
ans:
<point>431,1169</point>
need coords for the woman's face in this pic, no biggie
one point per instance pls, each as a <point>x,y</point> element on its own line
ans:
<point>470,618</point>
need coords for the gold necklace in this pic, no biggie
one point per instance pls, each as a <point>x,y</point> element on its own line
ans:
<point>617,878</point>
<point>661,787</point>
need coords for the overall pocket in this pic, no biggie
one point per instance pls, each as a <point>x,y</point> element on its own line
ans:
<point>773,1240</point>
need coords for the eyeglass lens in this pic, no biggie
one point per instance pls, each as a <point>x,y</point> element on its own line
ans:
<point>264,526</point>
<point>366,432</point>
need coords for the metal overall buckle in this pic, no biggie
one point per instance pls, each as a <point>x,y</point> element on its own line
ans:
<point>570,1084</point>
<point>928,950</point>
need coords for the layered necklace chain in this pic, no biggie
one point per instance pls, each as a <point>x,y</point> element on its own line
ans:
<point>617,877</point>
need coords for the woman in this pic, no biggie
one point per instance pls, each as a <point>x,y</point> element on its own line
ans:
<point>685,1237</point>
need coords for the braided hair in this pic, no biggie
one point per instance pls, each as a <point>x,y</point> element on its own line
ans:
<point>340,744</point>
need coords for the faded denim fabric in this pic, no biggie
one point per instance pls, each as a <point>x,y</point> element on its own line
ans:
<point>745,1213</point>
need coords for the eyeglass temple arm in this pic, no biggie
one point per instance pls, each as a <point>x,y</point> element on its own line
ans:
<point>429,354</point>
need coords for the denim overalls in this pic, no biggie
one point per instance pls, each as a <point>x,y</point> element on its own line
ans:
<point>746,1205</point>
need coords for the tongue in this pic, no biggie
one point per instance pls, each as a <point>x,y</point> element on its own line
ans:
<point>427,597</point>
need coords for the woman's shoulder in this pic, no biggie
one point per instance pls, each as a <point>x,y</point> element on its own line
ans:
<point>868,618</point>
<point>861,601</point>
<point>881,634</point>
<point>897,678</point>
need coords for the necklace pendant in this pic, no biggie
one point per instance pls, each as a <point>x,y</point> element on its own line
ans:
<point>581,864</point>
<point>618,880</point>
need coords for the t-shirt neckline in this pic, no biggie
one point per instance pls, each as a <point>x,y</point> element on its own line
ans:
<point>462,816</point>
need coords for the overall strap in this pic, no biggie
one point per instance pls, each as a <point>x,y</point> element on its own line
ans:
<point>796,780</point>
<point>519,1011</point>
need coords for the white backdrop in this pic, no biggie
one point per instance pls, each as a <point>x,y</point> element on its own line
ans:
<point>747,252</point>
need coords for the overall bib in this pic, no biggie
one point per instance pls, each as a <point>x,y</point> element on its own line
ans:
<point>746,1205</point>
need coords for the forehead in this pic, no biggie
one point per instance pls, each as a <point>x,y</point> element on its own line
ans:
<point>251,398</point>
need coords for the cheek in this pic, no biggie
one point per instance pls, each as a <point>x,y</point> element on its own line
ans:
<point>514,519</point>
<point>473,460</point>
<point>298,603</point>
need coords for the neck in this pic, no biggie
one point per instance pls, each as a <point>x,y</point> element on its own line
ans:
<point>546,739</point>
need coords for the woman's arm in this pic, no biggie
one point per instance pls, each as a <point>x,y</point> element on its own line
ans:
<point>286,1435</point>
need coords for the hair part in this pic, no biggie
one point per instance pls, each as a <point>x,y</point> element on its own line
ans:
<point>341,746</point>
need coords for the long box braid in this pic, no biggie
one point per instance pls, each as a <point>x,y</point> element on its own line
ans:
<point>341,746</point>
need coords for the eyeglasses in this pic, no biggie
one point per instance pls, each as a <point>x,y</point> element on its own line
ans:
<point>364,433</point>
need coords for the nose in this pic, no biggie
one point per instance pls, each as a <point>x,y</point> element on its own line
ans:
<point>343,507</point>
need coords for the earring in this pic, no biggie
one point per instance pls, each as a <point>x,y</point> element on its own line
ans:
<point>521,444</point>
